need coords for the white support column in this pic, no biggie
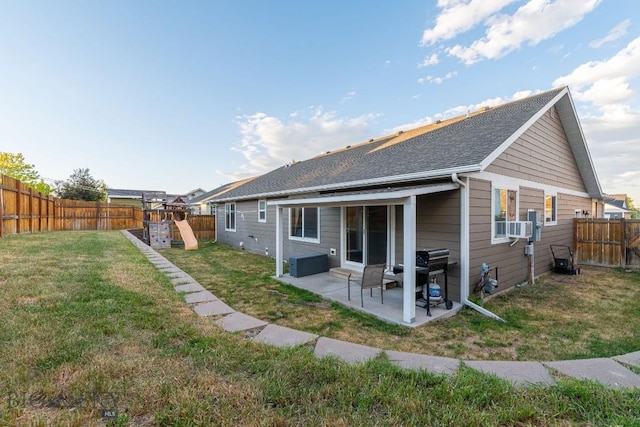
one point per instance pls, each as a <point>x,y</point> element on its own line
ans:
<point>409,255</point>
<point>279,272</point>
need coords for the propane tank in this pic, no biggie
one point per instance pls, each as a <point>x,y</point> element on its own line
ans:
<point>434,290</point>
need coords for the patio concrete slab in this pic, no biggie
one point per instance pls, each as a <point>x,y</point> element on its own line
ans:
<point>631,359</point>
<point>281,336</point>
<point>212,308</point>
<point>603,370</point>
<point>518,373</point>
<point>346,351</point>
<point>190,287</point>
<point>236,322</point>
<point>202,296</point>
<point>433,364</point>
<point>335,289</point>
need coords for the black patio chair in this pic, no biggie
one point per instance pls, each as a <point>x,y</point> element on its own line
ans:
<point>371,278</point>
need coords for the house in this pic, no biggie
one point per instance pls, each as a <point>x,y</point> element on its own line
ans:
<point>456,184</point>
<point>615,207</point>
<point>200,205</point>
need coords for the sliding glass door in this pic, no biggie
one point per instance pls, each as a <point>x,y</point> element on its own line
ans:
<point>366,234</point>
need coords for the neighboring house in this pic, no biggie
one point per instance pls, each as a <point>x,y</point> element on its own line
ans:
<point>616,207</point>
<point>454,184</point>
<point>200,205</point>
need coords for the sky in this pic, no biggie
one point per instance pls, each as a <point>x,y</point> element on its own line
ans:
<point>178,95</point>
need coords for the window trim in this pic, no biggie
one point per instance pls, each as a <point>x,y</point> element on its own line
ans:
<point>554,214</point>
<point>303,238</point>
<point>506,187</point>
<point>230,216</point>
<point>262,211</point>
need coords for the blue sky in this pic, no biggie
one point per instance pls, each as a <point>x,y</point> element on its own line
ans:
<point>175,95</point>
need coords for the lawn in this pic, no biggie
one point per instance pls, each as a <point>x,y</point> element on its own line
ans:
<point>92,334</point>
<point>594,314</point>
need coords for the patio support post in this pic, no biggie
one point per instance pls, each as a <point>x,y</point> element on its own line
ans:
<point>279,272</point>
<point>409,258</point>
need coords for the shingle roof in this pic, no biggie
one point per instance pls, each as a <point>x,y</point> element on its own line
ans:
<point>456,145</point>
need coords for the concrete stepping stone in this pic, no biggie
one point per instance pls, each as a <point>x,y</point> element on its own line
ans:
<point>212,308</point>
<point>281,336</point>
<point>433,364</point>
<point>518,373</point>
<point>631,359</point>
<point>183,280</point>
<point>202,296</point>
<point>236,322</point>
<point>346,351</point>
<point>190,287</point>
<point>605,371</point>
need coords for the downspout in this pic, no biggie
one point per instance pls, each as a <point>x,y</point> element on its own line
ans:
<point>464,249</point>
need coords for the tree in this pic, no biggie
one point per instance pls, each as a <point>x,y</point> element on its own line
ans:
<point>634,213</point>
<point>14,165</point>
<point>82,186</point>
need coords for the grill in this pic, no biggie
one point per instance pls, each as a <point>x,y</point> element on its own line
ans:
<point>430,263</point>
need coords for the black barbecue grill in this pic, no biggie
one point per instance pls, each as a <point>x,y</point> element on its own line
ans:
<point>430,263</point>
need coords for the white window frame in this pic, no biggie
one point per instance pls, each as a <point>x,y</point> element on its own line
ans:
<point>551,218</point>
<point>502,186</point>
<point>303,238</point>
<point>212,209</point>
<point>230,214</point>
<point>262,210</point>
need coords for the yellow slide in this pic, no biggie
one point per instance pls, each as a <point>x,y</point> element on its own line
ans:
<point>190,242</point>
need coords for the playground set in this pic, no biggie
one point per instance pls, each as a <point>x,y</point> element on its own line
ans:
<point>158,217</point>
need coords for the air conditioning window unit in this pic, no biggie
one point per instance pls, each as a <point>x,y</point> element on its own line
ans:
<point>519,229</point>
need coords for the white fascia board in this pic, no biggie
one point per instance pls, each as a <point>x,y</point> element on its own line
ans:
<point>382,198</point>
<point>505,181</point>
<point>494,155</point>
<point>395,179</point>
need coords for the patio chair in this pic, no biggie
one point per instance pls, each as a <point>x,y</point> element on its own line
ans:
<point>371,278</point>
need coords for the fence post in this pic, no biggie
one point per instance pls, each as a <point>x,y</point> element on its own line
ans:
<point>623,243</point>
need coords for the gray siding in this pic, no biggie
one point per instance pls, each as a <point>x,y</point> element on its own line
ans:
<point>260,237</point>
<point>542,154</point>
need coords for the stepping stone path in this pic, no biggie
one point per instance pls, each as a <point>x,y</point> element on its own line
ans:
<point>613,372</point>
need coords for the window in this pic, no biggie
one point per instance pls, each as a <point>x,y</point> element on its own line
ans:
<point>550,209</point>
<point>262,211</point>
<point>505,208</point>
<point>230,216</point>
<point>304,223</point>
<point>212,209</point>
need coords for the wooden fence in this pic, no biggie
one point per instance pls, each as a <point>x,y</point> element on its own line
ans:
<point>608,242</point>
<point>24,210</point>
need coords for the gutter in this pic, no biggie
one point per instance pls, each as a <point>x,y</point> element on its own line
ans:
<point>417,176</point>
<point>464,250</point>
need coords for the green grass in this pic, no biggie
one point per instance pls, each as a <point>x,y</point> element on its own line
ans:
<point>593,314</point>
<point>86,324</point>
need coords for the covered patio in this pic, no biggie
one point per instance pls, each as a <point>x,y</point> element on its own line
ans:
<point>335,289</point>
<point>401,306</point>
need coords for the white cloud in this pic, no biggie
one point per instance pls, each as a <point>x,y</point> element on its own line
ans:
<point>458,16</point>
<point>269,142</point>
<point>603,82</point>
<point>615,33</point>
<point>611,125</point>
<point>348,96</point>
<point>532,23</point>
<point>431,60</point>
<point>437,80</point>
